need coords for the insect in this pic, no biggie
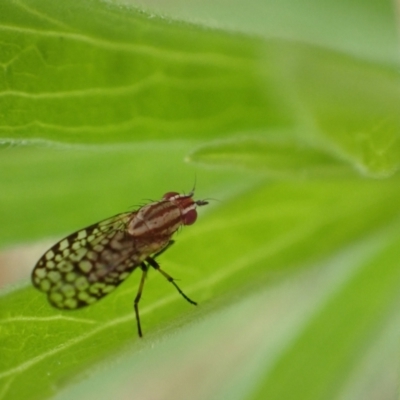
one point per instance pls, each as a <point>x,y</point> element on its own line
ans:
<point>87,265</point>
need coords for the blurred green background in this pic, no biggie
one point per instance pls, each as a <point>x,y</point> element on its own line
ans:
<point>287,116</point>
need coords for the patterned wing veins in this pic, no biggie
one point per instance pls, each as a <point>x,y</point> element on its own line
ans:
<point>88,264</point>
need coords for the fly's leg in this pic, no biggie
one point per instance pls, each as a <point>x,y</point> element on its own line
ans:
<point>169,278</point>
<point>144,268</point>
<point>170,243</point>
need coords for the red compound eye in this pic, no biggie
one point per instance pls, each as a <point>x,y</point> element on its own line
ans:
<point>169,195</point>
<point>190,217</point>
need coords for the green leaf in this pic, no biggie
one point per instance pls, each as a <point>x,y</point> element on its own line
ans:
<point>294,261</point>
<point>278,158</point>
<point>87,72</point>
<point>357,322</point>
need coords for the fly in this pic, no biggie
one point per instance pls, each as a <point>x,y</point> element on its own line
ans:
<point>88,264</point>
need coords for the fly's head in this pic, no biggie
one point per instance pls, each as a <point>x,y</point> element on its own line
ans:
<point>186,204</point>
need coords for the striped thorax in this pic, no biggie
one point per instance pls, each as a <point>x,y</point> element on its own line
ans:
<point>165,217</point>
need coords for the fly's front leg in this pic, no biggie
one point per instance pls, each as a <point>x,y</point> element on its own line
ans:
<point>170,243</point>
<point>169,278</point>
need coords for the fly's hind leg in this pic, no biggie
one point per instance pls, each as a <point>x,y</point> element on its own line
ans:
<point>144,268</point>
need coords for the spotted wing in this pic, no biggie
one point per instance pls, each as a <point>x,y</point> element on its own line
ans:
<point>88,264</point>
